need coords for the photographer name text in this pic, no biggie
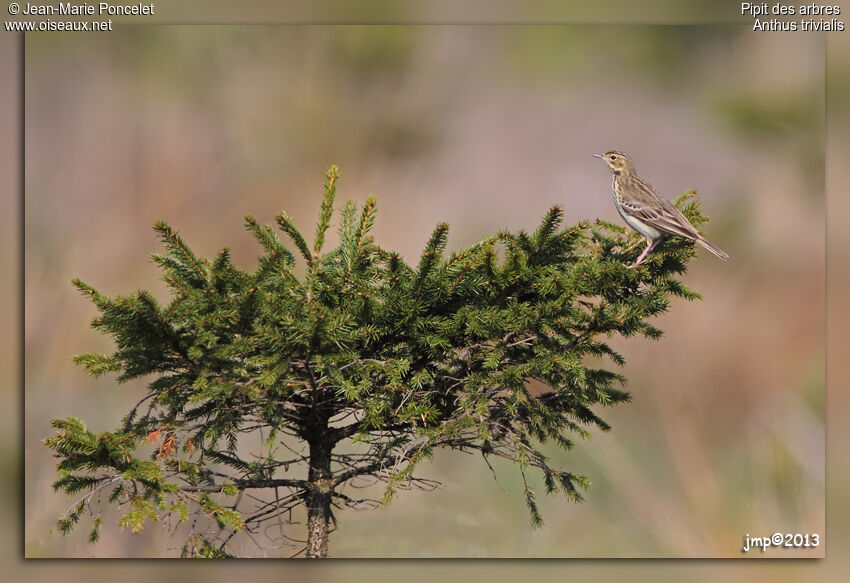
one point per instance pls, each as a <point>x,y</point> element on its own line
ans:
<point>100,9</point>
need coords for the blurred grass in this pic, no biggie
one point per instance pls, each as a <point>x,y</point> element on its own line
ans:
<point>765,118</point>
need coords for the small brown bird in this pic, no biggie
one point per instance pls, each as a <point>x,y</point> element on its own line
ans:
<point>646,211</point>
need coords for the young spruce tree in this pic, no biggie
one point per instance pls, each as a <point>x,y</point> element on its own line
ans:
<point>272,393</point>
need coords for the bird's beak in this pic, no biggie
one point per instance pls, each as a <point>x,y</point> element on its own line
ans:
<point>598,156</point>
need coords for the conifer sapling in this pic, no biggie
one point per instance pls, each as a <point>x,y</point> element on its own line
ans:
<point>273,394</point>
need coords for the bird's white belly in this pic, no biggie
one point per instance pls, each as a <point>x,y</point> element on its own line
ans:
<point>639,226</point>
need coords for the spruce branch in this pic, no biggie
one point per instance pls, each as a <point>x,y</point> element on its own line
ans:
<point>289,228</point>
<point>329,192</point>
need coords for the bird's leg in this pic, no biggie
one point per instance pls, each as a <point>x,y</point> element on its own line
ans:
<point>650,245</point>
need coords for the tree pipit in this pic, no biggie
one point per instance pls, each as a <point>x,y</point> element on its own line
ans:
<point>646,211</point>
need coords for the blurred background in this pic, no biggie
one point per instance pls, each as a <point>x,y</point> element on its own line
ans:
<point>482,127</point>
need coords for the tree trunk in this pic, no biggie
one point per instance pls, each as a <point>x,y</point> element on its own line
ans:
<point>319,500</point>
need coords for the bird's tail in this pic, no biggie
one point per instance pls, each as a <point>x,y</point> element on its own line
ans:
<point>713,248</point>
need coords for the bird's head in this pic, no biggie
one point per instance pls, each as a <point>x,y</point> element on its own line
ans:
<point>617,161</point>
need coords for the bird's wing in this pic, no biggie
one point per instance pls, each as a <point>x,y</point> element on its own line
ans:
<point>660,214</point>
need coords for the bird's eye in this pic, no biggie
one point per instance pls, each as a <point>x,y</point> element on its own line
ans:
<point>613,157</point>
